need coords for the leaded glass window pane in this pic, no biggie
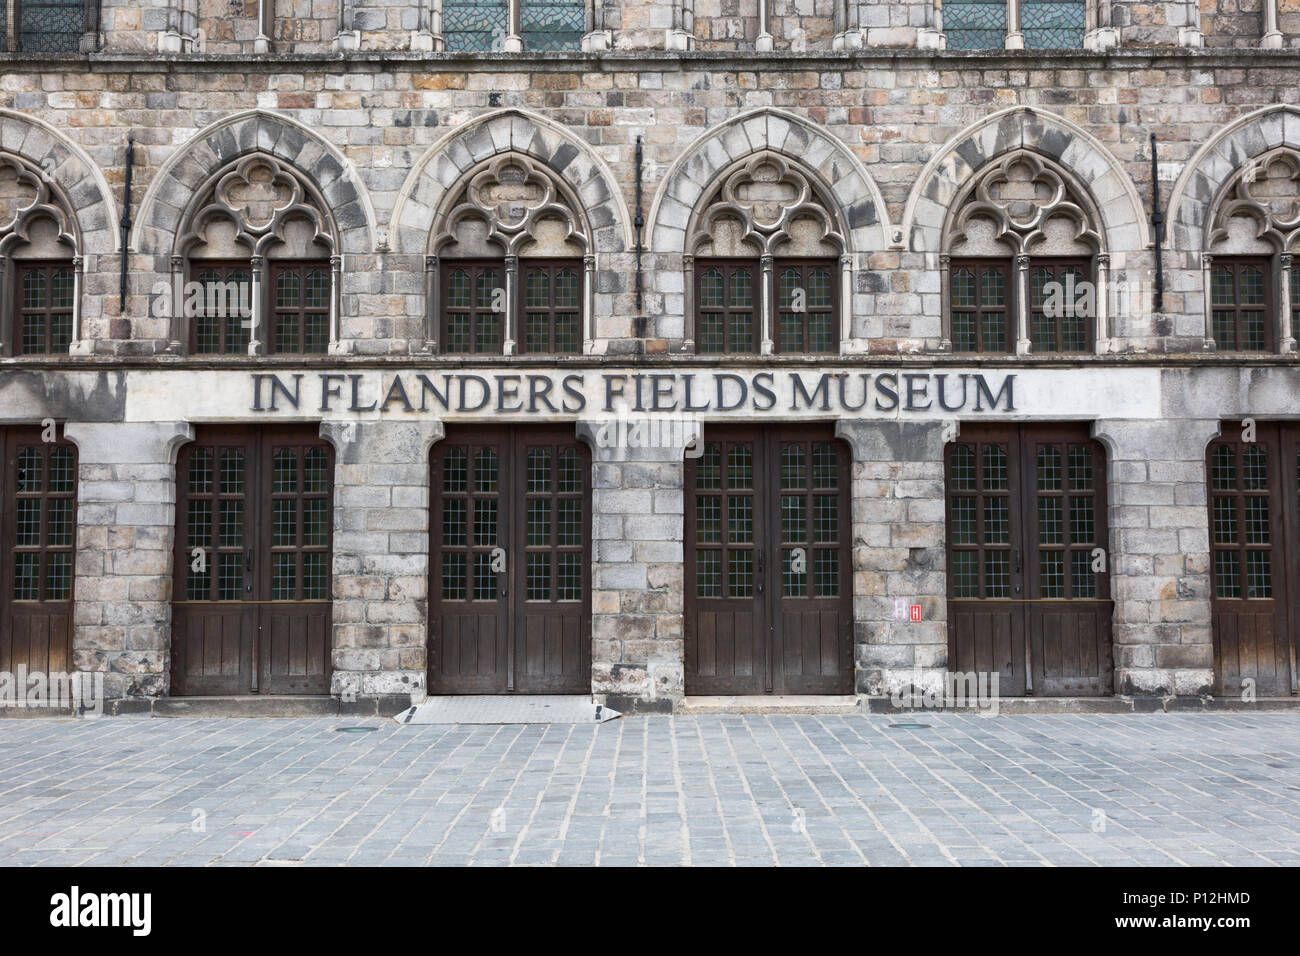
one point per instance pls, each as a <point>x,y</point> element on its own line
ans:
<point>1051,24</point>
<point>975,24</point>
<point>552,25</point>
<point>474,25</point>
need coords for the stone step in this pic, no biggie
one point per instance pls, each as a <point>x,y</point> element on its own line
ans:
<point>769,704</point>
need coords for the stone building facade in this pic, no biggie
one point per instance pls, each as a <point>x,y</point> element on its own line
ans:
<point>666,268</point>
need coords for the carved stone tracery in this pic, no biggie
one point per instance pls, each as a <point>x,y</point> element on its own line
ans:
<point>1259,210</point>
<point>764,206</point>
<point>259,207</point>
<point>513,206</point>
<point>1031,208</point>
<point>26,199</point>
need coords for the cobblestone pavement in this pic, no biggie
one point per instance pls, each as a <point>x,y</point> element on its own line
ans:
<point>1061,789</point>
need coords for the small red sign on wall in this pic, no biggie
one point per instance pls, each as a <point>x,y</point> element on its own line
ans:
<point>915,612</point>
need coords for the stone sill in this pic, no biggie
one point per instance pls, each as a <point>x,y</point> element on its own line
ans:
<point>882,706</point>
<point>633,60</point>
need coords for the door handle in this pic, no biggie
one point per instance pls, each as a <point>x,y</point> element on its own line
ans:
<point>248,559</point>
<point>758,577</point>
<point>1015,561</point>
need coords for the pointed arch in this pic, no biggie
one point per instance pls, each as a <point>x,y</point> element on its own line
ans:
<point>73,174</point>
<point>857,203</point>
<point>449,161</point>
<point>1208,172</point>
<point>1123,218</point>
<point>188,170</point>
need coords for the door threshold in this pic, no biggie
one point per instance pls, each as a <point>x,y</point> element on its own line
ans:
<point>269,705</point>
<point>770,704</point>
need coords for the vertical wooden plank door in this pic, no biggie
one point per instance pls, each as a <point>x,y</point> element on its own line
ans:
<point>768,563</point>
<point>37,537</point>
<point>1254,536</point>
<point>251,602</point>
<point>1028,589</point>
<point>510,546</point>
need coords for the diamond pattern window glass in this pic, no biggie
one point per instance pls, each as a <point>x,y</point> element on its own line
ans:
<point>1052,24</point>
<point>50,26</point>
<point>476,26</point>
<point>975,24</point>
<point>552,24</point>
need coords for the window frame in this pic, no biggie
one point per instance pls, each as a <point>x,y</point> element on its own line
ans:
<point>276,268</point>
<point>805,264</point>
<point>476,267</point>
<point>1010,307</point>
<point>193,268</point>
<point>729,266</point>
<point>1088,264</point>
<point>1237,263</point>
<point>523,310</point>
<point>20,269</point>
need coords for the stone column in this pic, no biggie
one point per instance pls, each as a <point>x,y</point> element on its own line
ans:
<point>1015,38</point>
<point>681,35</point>
<point>514,42</point>
<point>381,556</point>
<point>1190,35</point>
<point>1102,36</point>
<point>126,525</point>
<point>932,37</point>
<point>765,42</point>
<point>898,554</point>
<point>1272,38</point>
<point>1159,554</point>
<point>1286,330</point>
<point>1024,344</point>
<point>637,601</point>
<point>767,306</point>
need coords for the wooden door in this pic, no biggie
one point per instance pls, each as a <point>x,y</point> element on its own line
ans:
<point>510,546</point>
<point>768,606</point>
<point>1254,521</point>
<point>1028,586</point>
<point>38,527</point>
<point>252,602</point>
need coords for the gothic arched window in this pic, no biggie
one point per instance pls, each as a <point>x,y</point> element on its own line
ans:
<point>1251,291</point>
<point>766,264</point>
<point>40,268</point>
<point>256,266</point>
<point>511,268</point>
<point>1023,265</point>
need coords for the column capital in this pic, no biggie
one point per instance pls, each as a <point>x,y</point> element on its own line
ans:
<point>125,443</point>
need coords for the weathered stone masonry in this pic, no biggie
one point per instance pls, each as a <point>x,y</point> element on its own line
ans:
<point>893,134</point>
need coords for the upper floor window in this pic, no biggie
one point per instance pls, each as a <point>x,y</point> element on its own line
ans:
<point>258,253</point>
<point>510,270</point>
<point>47,26</point>
<point>511,25</point>
<point>1022,266</point>
<point>1015,24</point>
<point>766,263</point>
<point>1251,289</point>
<point>40,271</point>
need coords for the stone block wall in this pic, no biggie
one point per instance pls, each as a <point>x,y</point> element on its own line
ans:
<point>126,510</point>
<point>381,556</point>
<point>898,553</point>
<point>1160,554</point>
<point>637,581</point>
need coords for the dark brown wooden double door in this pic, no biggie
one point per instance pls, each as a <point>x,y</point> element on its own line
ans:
<point>251,600</point>
<point>768,596</point>
<point>1028,585</point>
<point>38,527</point>
<point>510,542</point>
<point>1255,542</point>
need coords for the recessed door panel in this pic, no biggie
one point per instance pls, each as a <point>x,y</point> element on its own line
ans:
<point>510,608</point>
<point>767,564</point>
<point>252,597</point>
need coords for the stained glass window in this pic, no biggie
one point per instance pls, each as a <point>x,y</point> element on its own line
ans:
<point>553,25</point>
<point>1052,24</point>
<point>975,24</point>
<point>50,26</point>
<point>474,25</point>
